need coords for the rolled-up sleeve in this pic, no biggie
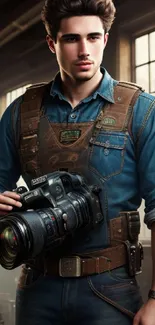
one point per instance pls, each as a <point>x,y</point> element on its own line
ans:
<point>9,159</point>
<point>144,136</point>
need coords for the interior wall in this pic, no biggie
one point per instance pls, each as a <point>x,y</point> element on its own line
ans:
<point>110,59</point>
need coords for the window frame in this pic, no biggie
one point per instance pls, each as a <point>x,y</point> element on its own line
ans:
<point>19,92</point>
<point>133,58</point>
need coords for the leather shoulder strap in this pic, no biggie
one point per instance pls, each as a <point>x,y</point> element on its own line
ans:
<point>30,113</point>
<point>30,109</point>
<point>113,117</point>
<point>118,116</point>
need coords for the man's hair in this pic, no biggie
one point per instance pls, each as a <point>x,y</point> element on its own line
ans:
<point>55,10</point>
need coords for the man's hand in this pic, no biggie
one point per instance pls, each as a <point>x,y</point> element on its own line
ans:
<point>8,200</point>
<point>146,315</point>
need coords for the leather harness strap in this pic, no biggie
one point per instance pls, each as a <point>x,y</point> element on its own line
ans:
<point>113,117</point>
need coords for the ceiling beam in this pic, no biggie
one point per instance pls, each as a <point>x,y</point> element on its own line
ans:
<point>21,24</point>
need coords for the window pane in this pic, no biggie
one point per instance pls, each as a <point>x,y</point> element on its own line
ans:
<point>142,76</point>
<point>141,49</point>
<point>19,92</point>
<point>8,99</point>
<point>152,74</point>
<point>152,46</point>
<point>15,93</point>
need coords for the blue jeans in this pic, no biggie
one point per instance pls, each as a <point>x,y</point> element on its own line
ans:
<point>108,298</point>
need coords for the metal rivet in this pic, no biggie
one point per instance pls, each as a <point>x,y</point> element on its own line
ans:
<point>106,152</point>
<point>73,115</point>
<point>119,99</point>
<point>107,144</point>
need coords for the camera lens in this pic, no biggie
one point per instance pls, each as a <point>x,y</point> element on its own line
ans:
<point>8,240</point>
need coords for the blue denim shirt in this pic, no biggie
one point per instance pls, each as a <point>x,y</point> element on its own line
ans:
<point>125,169</point>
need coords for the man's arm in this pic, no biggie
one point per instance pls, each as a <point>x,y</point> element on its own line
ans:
<point>153,255</point>
<point>144,132</point>
<point>10,169</point>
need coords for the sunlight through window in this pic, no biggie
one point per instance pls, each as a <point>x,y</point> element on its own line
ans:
<point>145,61</point>
<point>12,95</point>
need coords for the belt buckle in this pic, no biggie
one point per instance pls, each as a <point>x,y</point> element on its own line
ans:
<point>70,266</point>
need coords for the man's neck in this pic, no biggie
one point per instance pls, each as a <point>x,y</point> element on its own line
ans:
<point>75,92</point>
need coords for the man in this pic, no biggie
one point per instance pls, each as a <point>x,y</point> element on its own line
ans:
<point>79,131</point>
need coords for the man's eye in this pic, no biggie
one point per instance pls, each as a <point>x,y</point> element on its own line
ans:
<point>94,38</point>
<point>70,39</point>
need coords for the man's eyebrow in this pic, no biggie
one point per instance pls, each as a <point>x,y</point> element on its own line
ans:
<point>65,36</point>
<point>95,34</point>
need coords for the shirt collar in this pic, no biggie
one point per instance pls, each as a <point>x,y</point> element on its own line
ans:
<point>105,89</point>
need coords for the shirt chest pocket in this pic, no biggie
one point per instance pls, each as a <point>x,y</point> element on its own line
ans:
<point>107,153</point>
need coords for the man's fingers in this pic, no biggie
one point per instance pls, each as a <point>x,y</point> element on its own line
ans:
<point>7,201</point>
<point>12,195</point>
<point>4,208</point>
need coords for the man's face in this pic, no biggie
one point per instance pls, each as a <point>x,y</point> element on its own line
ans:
<point>79,48</point>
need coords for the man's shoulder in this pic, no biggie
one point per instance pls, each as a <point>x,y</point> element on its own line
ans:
<point>142,102</point>
<point>129,85</point>
<point>145,96</point>
<point>145,102</point>
<point>12,108</point>
<point>144,99</point>
<point>144,110</point>
<point>37,92</point>
<point>37,86</point>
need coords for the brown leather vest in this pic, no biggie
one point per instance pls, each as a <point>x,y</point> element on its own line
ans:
<point>46,146</point>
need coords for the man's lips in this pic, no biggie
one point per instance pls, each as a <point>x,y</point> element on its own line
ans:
<point>84,63</point>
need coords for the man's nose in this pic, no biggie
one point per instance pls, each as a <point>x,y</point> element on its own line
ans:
<point>83,49</point>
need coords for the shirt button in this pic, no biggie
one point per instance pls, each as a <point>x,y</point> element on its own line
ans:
<point>73,115</point>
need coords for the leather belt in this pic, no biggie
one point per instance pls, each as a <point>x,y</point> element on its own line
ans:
<point>95,262</point>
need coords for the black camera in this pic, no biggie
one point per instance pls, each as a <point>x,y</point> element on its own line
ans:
<point>58,205</point>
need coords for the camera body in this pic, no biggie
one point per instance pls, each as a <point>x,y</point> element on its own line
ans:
<point>57,204</point>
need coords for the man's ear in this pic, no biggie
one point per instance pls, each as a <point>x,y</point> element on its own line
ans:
<point>50,43</point>
<point>106,36</point>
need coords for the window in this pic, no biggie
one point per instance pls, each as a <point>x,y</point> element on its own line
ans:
<point>145,76</point>
<point>5,101</point>
<point>8,98</point>
<point>145,62</point>
<point>11,96</point>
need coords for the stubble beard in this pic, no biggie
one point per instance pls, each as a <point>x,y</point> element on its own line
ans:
<point>84,78</point>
